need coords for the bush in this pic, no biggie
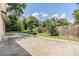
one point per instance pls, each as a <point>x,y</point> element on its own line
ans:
<point>52,30</point>
<point>40,30</point>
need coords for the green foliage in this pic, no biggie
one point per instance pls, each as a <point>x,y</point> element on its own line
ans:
<point>76,16</point>
<point>52,23</point>
<point>50,26</point>
<point>39,29</point>
<point>25,25</point>
<point>52,30</point>
<point>19,25</point>
<point>59,21</point>
<point>71,38</point>
<point>29,32</point>
<point>14,10</point>
<point>62,22</point>
<point>32,22</point>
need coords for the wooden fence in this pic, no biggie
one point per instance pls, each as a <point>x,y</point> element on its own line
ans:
<point>71,30</point>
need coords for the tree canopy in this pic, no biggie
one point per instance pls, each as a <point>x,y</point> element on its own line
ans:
<point>32,22</point>
<point>14,11</point>
<point>76,14</point>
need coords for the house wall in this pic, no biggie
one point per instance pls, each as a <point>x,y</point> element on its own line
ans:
<point>2,24</point>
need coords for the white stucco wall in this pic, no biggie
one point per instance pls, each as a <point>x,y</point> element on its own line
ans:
<point>2,24</point>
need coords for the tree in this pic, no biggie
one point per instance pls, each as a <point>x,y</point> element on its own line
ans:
<point>54,21</point>
<point>25,25</point>
<point>59,21</point>
<point>40,27</point>
<point>14,11</point>
<point>62,22</point>
<point>52,30</point>
<point>32,23</point>
<point>52,27</point>
<point>19,25</point>
<point>76,14</point>
<point>45,25</point>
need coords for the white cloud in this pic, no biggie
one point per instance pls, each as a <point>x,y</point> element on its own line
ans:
<point>63,15</point>
<point>36,14</point>
<point>45,15</point>
<point>56,15</point>
<point>59,15</point>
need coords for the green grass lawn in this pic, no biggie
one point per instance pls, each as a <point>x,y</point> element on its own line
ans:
<point>59,37</point>
<point>12,32</point>
<point>44,35</point>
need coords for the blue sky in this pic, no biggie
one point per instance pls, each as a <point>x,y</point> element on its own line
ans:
<point>47,10</point>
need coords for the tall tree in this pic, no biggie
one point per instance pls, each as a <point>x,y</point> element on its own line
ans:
<point>19,25</point>
<point>14,11</point>
<point>25,25</point>
<point>32,23</point>
<point>62,22</point>
<point>76,14</point>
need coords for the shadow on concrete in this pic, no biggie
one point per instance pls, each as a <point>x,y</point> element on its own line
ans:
<point>11,48</point>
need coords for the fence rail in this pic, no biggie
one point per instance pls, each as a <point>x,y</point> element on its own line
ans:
<point>71,30</point>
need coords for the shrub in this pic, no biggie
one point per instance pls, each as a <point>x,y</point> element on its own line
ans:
<point>52,30</point>
<point>40,29</point>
